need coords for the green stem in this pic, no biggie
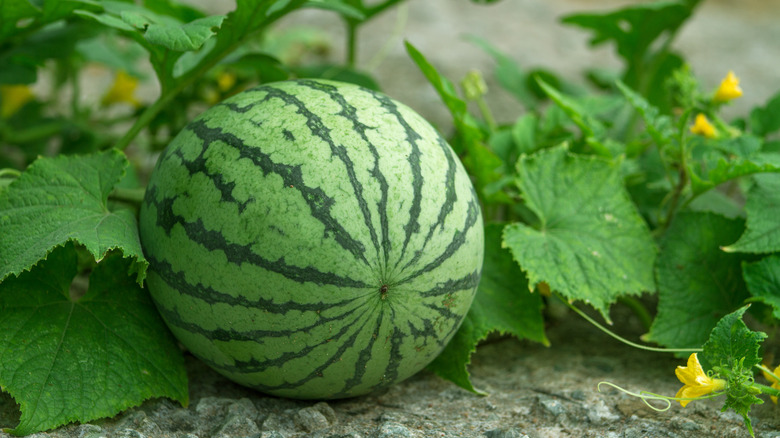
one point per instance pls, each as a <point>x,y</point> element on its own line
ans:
<point>10,173</point>
<point>766,389</point>
<point>133,196</point>
<point>172,91</point>
<point>352,26</point>
<point>639,310</point>
<point>38,132</point>
<point>487,114</point>
<point>622,339</point>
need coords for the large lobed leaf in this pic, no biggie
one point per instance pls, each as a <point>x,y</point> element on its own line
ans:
<point>763,229</point>
<point>697,283</point>
<point>66,358</point>
<point>503,304</point>
<point>590,243</point>
<point>763,281</point>
<point>65,198</point>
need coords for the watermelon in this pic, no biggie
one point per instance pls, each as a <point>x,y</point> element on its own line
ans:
<point>312,239</point>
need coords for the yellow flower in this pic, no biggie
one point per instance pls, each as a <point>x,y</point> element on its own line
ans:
<point>728,89</point>
<point>696,382</point>
<point>702,126</point>
<point>122,91</point>
<point>225,81</point>
<point>14,97</point>
<point>775,383</point>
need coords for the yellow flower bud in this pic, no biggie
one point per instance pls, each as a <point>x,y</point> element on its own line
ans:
<point>702,126</point>
<point>728,89</point>
<point>122,91</point>
<point>474,86</point>
<point>13,98</point>
<point>225,81</point>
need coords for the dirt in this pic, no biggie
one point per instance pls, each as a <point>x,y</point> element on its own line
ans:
<point>533,391</point>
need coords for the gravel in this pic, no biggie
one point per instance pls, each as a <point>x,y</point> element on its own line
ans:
<point>534,392</point>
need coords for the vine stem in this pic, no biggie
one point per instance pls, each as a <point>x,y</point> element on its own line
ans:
<point>134,196</point>
<point>622,339</point>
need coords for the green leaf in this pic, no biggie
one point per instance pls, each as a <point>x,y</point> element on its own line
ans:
<point>733,350</point>
<point>11,12</point>
<point>732,344</point>
<point>524,134</point>
<point>763,281</point>
<point>765,120</point>
<point>184,37</point>
<point>590,243</point>
<point>697,283</point>
<point>65,358</point>
<point>60,199</point>
<point>762,206</point>
<point>503,304</point>
<point>728,169</point>
<point>592,130</point>
<point>659,126</point>
<point>441,84</point>
<point>634,28</point>
<point>508,73</point>
<point>478,159</point>
<point>106,20</point>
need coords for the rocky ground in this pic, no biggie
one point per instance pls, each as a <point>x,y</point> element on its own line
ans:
<point>534,391</point>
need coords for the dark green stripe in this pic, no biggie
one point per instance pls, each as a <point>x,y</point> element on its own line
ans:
<point>253,365</point>
<point>390,375</point>
<point>198,165</point>
<point>458,239</point>
<point>173,318</point>
<point>321,130</point>
<point>349,112</point>
<point>319,203</point>
<point>209,295</point>
<point>413,225</point>
<point>450,197</point>
<point>362,361</point>
<point>467,282</point>
<point>238,254</point>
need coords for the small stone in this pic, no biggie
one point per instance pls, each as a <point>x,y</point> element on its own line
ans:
<point>506,432</point>
<point>310,419</point>
<point>552,406</point>
<point>129,433</point>
<point>393,430</point>
<point>237,426</point>
<point>599,413</point>
<point>277,423</point>
<point>90,431</point>
<point>327,411</point>
<point>272,434</point>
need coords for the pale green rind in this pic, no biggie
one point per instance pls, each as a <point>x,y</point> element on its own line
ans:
<point>272,222</point>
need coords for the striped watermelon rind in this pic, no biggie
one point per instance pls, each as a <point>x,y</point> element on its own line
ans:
<point>312,239</point>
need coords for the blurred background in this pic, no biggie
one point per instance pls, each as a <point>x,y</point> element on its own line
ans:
<point>723,35</point>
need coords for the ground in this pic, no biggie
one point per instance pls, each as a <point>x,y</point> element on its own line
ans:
<point>533,391</point>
